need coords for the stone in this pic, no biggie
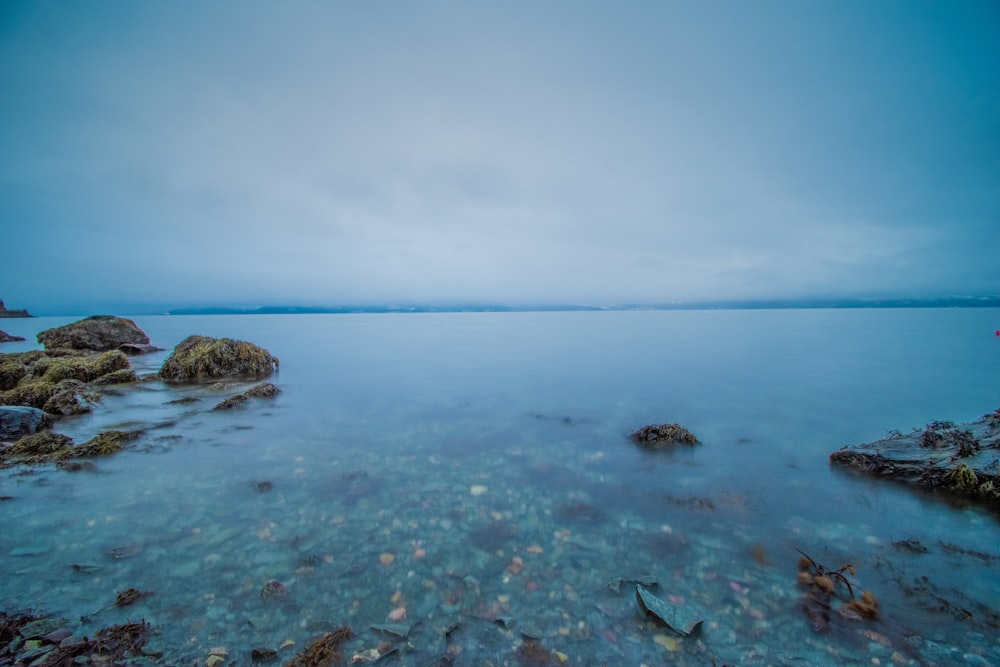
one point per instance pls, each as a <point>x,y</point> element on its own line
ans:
<point>98,332</point>
<point>17,421</point>
<point>203,358</point>
<point>658,435</point>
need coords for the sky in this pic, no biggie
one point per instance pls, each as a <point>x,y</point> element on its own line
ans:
<point>423,152</point>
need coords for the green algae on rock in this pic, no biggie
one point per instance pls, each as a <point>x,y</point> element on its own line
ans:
<point>262,390</point>
<point>60,384</point>
<point>202,357</point>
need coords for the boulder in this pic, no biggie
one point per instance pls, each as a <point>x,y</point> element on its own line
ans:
<point>7,338</point>
<point>202,358</point>
<point>99,333</point>
<point>17,421</point>
<point>956,460</point>
<point>659,435</point>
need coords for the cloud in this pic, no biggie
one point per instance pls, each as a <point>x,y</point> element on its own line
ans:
<point>317,153</point>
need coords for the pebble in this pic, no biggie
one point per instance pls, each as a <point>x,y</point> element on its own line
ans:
<point>477,489</point>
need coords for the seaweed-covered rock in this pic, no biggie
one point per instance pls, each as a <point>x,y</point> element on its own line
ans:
<point>39,447</point>
<point>12,371</point>
<point>7,338</point>
<point>98,332</point>
<point>17,421</point>
<point>70,397</point>
<point>262,390</point>
<point>109,442</point>
<point>84,369</point>
<point>657,435</point>
<point>122,376</point>
<point>958,460</point>
<point>202,357</point>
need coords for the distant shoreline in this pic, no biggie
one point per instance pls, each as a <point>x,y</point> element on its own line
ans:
<point>948,302</point>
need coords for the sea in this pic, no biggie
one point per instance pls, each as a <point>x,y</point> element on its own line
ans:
<point>461,488</point>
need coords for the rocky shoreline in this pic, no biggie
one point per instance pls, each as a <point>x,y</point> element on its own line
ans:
<point>83,359</point>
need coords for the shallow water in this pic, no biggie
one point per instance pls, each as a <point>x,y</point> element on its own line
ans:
<point>471,467</point>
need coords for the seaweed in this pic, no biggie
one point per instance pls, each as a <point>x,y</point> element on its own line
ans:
<point>824,594</point>
<point>323,651</point>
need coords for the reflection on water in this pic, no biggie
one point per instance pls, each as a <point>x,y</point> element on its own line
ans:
<point>474,469</point>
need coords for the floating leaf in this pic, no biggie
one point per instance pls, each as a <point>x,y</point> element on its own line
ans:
<point>678,619</point>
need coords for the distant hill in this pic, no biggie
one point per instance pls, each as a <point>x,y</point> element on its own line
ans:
<point>12,313</point>
<point>936,302</point>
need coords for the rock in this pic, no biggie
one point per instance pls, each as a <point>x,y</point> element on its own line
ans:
<point>957,460</point>
<point>231,402</point>
<point>657,435</point>
<point>133,349</point>
<point>17,421</point>
<point>12,371</point>
<point>202,357</point>
<point>98,332</point>
<point>109,442</point>
<point>7,338</point>
<point>70,397</point>
<point>262,390</point>
<point>84,369</point>
<point>272,591</point>
<point>39,447</point>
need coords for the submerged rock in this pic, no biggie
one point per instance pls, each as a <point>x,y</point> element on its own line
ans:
<point>17,421</point>
<point>98,332</point>
<point>656,435</point>
<point>202,357</point>
<point>958,460</point>
<point>262,390</point>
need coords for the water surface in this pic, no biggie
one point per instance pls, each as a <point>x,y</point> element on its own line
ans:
<point>474,468</point>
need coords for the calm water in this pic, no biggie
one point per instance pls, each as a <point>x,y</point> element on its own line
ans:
<point>475,469</point>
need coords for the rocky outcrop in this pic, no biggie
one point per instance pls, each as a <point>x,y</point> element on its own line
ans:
<point>12,313</point>
<point>17,421</point>
<point>202,358</point>
<point>98,333</point>
<point>957,460</point>
<point>663,435</point>
<point>60,385</point>
<point>7,338</point>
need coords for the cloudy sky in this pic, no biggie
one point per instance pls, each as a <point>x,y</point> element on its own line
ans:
<point>323,153</point>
